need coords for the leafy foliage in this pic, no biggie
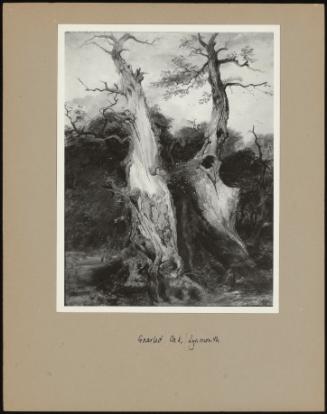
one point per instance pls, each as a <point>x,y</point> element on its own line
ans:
<point>182,78</point>
<point>247,54</point>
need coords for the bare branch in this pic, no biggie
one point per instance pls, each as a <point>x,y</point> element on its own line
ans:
<point>102,48</point>
<point>92,138</point>
<point>109,107</point>
<point>106,88</point>
<point>246,56</point>
<point>212,39</point>
<point>91,41</point>
<point>99,137</point>
<point>253,85</point>
<point>78,131</point>
<point>265,163</point>
<point>197,51</point>
<point>103,113</point>
<point>191,43</point>
<point>117,138</point>
<point>256,140</point>
<point>116,45</point>
<point>201,41</point>
<point>109,37</point>
<point>221,49</point>
<point>128,36</point>
<point>233,59</point>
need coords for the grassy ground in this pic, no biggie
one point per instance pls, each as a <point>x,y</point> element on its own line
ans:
<point>81,289</point>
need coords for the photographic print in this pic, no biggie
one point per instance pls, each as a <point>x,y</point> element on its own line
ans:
<point>168,168</point>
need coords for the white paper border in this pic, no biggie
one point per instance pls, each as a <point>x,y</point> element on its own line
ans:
<point>61,165</point>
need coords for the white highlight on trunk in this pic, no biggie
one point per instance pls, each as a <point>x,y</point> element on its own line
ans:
<point>155,215</point>
<point>217,201</point>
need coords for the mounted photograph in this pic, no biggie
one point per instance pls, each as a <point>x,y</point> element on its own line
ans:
<point>168,168</point>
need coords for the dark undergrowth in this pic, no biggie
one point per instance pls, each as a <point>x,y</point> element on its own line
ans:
<point>97,224</point>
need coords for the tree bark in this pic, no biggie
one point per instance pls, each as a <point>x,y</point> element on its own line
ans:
<point>153,215</point>
<point>216,201</point>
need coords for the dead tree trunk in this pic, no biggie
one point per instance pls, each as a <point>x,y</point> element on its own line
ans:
<point>216,201</point>
<point>153,216</point>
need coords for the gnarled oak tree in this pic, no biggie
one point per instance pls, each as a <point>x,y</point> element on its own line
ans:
<point>153,218</point>
<point>216,202</point>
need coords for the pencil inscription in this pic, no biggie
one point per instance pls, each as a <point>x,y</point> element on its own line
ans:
<point>189,341</point>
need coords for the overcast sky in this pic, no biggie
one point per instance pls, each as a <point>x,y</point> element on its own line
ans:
<point>247,107</point>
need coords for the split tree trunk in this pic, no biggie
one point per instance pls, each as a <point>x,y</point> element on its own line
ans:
<point>153,216</point>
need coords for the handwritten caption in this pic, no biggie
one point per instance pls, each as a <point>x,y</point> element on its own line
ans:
<point>187,341</point>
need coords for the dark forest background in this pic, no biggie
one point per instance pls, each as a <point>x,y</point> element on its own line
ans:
<point>97,216</point>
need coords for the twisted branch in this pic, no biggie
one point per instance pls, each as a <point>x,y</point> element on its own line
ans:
<point>106,88</point>
<point>253,85</point>
<point>128,36</point>
<point>256,140</point>
<point>233,59</point>
<point>201,41</point>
